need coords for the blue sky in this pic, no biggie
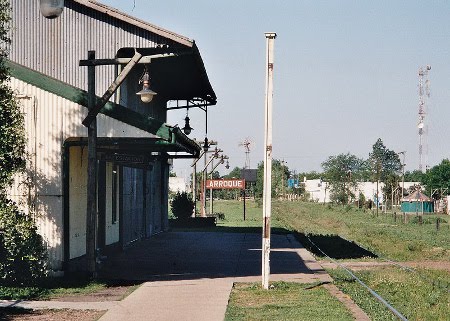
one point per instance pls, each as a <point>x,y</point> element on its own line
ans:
<point>345,74</point>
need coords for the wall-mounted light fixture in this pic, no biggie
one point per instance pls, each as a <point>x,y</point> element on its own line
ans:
<point>187,129</point>
<point>146,93</point>
<point>51,9</point>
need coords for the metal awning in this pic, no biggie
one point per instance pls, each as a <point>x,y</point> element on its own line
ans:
<point>179,76</point>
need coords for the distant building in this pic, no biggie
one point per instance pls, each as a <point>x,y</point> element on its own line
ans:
<point>319,191</point>
<point>178,184</point>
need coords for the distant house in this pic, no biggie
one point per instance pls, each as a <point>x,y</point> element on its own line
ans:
<point>177,184</point>
<point>135,145</point>
<point>417,202</point>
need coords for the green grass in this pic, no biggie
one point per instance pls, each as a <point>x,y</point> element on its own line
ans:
<point>410,293</point>
<point>381,235</point>
<point>233,222</point>
<point>418,296</point>
<point>284,301</point>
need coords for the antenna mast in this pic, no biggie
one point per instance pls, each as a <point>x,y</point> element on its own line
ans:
<point>424,95</point>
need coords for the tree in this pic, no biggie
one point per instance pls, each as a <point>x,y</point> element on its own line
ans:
<point>342,172</point>
<point>22,251</point>
<point>438,177</point>
<point>23,256</point>
<point>12,133</point>
<point>280,174</point>
<point>309,175</point>
<point>415,176</point>
<point>386,166</point>
<point>235,173</point>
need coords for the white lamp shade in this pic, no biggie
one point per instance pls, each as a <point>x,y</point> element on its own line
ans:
<point>51,9</point>
<point>146,95</point>
<point>146,98</point>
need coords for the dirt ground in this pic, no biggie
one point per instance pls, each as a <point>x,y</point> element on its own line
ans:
<point>112,293</point>
<point>49,315</point>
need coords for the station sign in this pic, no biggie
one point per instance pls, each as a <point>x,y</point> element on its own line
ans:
<point>125,159</point>
<point>225,183</point>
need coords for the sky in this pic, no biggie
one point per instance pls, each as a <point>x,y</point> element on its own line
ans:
<point>345,74</point>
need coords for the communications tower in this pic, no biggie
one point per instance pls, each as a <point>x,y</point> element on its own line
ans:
<point>424,95</point>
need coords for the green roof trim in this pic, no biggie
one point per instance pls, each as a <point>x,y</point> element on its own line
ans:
<point>116,111</point>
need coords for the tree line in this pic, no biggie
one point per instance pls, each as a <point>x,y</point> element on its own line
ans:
<point>343,173</point>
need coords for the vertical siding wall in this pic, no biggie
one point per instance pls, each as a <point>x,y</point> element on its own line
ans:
<point>49,121</point>
<point>54,47</point>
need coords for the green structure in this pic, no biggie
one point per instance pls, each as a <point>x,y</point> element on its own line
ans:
<point>417,202</point>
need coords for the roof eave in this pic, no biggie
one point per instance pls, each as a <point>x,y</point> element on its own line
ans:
<point>113,12</point>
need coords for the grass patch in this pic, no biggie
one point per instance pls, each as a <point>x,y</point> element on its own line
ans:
<point>381,235</point>
<point>412,294</point>
<point>284,301</point>
<point>232,220</point>
<point>59,287</point>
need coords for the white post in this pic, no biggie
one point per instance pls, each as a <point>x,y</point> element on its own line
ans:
<point>267,192</point>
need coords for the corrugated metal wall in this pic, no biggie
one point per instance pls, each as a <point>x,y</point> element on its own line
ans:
<point>54,47</point>
<point>133,210</point>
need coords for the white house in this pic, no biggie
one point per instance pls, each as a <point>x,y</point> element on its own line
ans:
<point>319,191</point>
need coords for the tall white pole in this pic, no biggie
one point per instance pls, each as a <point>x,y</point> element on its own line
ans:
<point>267,192</point>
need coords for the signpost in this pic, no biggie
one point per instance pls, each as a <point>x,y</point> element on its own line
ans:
<point>227,184</point>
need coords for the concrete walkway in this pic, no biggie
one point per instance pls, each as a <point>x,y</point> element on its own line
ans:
<point>190,274</point>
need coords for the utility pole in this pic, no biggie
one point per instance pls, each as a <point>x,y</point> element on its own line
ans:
<point>267,192</point>
<point>91,211</point>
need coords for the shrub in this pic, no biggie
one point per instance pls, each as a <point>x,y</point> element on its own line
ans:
<point>23,256</point>
<point>182,205</point>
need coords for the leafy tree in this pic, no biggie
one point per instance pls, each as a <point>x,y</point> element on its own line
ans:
<point>22,251</point>
<point>438,177</point>
<point>385,165</point>
<point>235,173</point>
<point>342,172</point>
<point>280,174</point>
<point>309,175</point>
<point>415,176</point>
<point>12,134</point>
<point>23,256</point>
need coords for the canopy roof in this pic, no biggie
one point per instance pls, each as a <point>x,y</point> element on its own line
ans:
<point>417,196</point>
<point>180,76</point>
